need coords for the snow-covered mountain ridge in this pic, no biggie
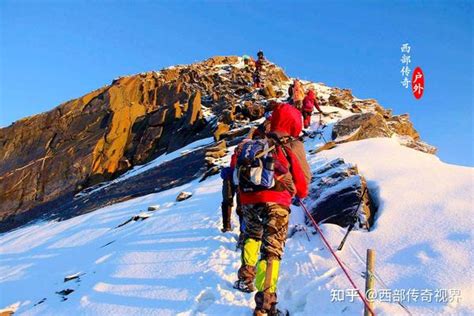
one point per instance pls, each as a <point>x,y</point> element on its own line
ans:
<point>47,158</point>
<point>174,260</point>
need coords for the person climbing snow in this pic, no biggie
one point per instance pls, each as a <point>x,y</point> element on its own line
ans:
<point>229,190</point>
<point>228,193</point>
<point>310,101</point>
<point>297,94</point>
<point>266,208</point>
<point>259,74</point>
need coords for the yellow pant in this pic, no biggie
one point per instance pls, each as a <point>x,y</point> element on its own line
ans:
<point>267,270</point>
<point>267,275</point>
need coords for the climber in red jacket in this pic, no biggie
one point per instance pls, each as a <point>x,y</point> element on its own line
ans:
<point>266,212</point>
<point>259,74</point>
<point>310,101</point>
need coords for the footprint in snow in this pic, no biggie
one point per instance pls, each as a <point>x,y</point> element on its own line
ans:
<point>205,299</point>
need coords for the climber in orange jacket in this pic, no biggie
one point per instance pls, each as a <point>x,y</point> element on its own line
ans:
<point>296,94</point>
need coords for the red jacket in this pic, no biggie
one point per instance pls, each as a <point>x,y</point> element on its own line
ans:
<point>260,63</point>
<point>285,121</point>
<point>310,101</point>
<point>233,161</point>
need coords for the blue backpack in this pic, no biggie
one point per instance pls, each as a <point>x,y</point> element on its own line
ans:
<point>254,170</point>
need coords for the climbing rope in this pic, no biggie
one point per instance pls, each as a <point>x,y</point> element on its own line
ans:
<point>361,295</point>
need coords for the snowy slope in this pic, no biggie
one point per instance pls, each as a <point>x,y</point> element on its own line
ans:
<point>177,262</point>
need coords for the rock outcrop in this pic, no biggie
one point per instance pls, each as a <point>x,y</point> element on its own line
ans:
<point>340,196</point>
<point>47,158</point>
<point>380,124</point>
<point>131,121</point>
<point>176,172</point>
<point>360,126</point>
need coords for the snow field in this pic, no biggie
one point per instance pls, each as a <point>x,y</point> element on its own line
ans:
<point>177,262</point>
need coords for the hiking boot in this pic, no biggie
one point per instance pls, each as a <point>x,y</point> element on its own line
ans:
<point>277,312</point>
<point>244,287</point>
<point>226,229</point>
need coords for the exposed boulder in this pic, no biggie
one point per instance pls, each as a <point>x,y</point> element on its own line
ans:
<point>75,276</point>
<point>219,60</point>
<point>210,172</point>
<point>64,293</point>
<point>227,117</point>
<point>183,196</point>
<point>416,144</point>
<point>341,196</point>
<point>341,98</point>
<point>235,133</point>
<point>221,129</point>
<point>401,125</point>
<point>153,208</point>
<point>360,126</point>
<point>217,151</point>
<point>326,146</point>
<point>193,111</point>
<point>253,110</point>
<point>135,218</point>
<point>268,92</point>
<point>373,124</point>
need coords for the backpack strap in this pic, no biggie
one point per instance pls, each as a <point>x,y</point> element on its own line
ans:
<point>264,152</point>
<point>282,141</point>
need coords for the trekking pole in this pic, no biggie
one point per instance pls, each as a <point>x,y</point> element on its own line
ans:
<point>319,130</point>
<point>306,232</point>
<point>353,222</point>
<point>326,243</point>
<point>345,237</point>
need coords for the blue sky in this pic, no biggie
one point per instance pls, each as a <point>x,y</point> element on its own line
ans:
<point>54,51</point>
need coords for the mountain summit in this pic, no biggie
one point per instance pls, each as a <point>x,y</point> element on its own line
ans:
<point>47,158</point>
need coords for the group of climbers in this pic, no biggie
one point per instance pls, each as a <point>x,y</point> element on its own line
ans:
<point>268,171</point>
<point>304,103</point>
<point>228,188</point>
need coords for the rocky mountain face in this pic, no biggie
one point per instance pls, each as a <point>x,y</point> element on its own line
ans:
<point>47,158</point>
